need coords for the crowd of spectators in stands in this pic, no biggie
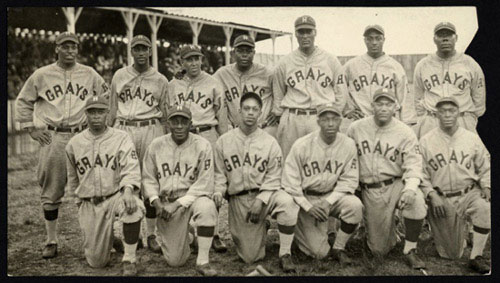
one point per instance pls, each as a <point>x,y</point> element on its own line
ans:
<point>30,50</point>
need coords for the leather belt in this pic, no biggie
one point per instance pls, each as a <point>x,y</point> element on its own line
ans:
<point>454,194</point>
<point>314,193</point>
<point>377,185</point>
<point>67,130</point>
<point>98,199</point>
<point>200,129</point>
<point>140,123</point>
<point>246,192</point>
<point>299,111</point>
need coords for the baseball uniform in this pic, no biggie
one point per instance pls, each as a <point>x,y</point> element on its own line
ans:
<point>300,83</point>
<point>457,166</point>
<point>182,173</point>
<point>57,97</point>
<point>235,83</point>
<point>98,168</point>
<point>203,95</point>
<point>388,158</point>
<point>315,171</point>
<point>459,76</point>
<point>246,168</point>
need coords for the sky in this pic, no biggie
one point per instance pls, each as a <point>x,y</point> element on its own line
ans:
<point>408,30</point>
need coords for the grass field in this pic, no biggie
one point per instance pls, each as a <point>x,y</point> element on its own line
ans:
<point>26,236</point>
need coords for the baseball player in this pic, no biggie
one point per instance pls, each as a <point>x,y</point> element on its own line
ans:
<point>457,185</point>
<point>137,103</point>
<point>248,170</point>
<point>307,77</point>
<point>448,73</point>
<point>247,76</point>
<point>368,72</point>
<point>178,180</point>
<point>321,173</point>
<point>104,174</point>
<point>390,171</point>
<point>56,94</point>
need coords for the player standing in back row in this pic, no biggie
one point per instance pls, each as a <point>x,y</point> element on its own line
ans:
<point>137,103</point>
<point>304,79</point>
<point>57,94</point>
<point>448,73</point>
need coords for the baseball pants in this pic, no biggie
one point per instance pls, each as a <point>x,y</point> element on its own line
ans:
<point>250,238</point>
<point>379,218</point>
<point>174,233</point>
<point>96,222</point>
<point>428,122</point>
<point>52,170</point>
<point>450,233</point>
<point>311,235</point>
<point>142,136</point>
<point>292,127</point>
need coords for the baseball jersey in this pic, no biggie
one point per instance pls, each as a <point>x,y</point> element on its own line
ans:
<point>235,83</point>
<point>454,162</point>
<point>301,81</point>
<point>364,75</point>
<point>138,96</point>
<point>385,152</point>
<point>168,167</point>
<point>101,165</point>
<point>459,76</point>
<point>246,162</point>
<point>203,95</point>
<point>57,96</point>
<point>313,165</point>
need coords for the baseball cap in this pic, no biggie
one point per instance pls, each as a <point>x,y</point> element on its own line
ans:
<point>243,40</point>
<point>140,39</point>
<point>66,36</point>
<point>190,50</point>
<point>449,99</point>
<point>328,107</point>
<point>97,101</point>
<point>378,28</point>
<point>445,25</point>
<point>253,95</point>
<point>305,22</point>
<point>178,110</point>
<point>384,92</point>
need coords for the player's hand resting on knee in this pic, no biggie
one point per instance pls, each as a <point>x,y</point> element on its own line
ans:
<point>218,199</point>
<point>407,198</point>
<point>437,205</point>
<point>255,210</point>
<point>319,212</point>
<point>129,200</point>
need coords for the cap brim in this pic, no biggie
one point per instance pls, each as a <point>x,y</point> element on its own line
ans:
<point>446,101</point>
<point>442,28</point>
<point>179,114</point>
<point>141,43</point>
<point>66,40</point>
<point>97,106</point>
<point>244,44</point>
<point>375,29</point>
<point>308,26</point>
<point>193,53</point>
<point>329,110</point>
<point>384,95</point>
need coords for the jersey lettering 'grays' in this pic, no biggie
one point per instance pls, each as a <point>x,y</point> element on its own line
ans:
<point>106,160</point>
<point>314,74</point>
<point>456,79</point>
<point>313,168</point>
<point>196,98</point>
<point>440,160</point>
<point>78,90</point>
<point>377,79</point>
<point>364,147</point>
<point>234,93</point>
<point>143,94</point>
<point>234,162</point>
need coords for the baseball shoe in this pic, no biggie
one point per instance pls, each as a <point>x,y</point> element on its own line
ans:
<point>286,263</point>
<point>153,244</point>
<point>413,260</point>
<point>118,245</point>
<point>206,270</point>
<point>341,256</point>
<point>50,250</point>
<point>129,269</point>
<point>479,265</point>
<point>218,245</point>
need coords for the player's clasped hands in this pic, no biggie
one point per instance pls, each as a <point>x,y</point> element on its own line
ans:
<point>320,211</point>
<point>166,211</point>
<point>253,214</point>
<point>41,136</point>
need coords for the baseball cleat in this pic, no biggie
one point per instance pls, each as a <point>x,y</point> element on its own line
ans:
<point>341,256</point>
<point>286,263</point>
<point>479,265</point>
<point>413,260</point>
<point>118,245</point>
<point>129,269</point>
<point>153,244</point>
<point>218,245</point>
<point>206,270</point>
<point>50,251</point>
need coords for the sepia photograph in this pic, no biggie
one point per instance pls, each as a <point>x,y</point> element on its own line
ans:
<point>247,141</point>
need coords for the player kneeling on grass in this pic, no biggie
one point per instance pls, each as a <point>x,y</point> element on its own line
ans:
<point>321,173</point>
<point>104,174</point>
<point>390,171</point>
<point>248,171</point>
<point>178,179</point>
<point>457,185</point>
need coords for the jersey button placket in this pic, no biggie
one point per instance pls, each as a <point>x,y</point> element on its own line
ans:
<point>246,168</point>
